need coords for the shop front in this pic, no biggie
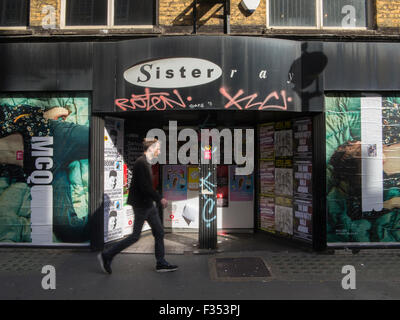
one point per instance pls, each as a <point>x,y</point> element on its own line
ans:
<point>252,130</point>
<point>237,138</point>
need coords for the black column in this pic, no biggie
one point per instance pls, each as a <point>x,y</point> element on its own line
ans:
<point>96,183</point>
<point>319,182</point>
<point>208,206</point>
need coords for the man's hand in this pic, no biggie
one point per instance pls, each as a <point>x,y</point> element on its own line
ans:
<point>164,203</point>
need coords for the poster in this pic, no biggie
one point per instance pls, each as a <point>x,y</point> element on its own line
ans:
<point>302,220</point>
<point>302,138</point>
<point>363,168</point>
<point>284,219</point>
<point>267,177</point>
<point>193,178</point>
<point>114,213</point>
<point>266,141</point>
<point>174,182</point>
<point>284,181</point>
<point>267,213</point>
<point>182,214</point>
<point>222,186</point>
<point>44,168</point>
<point>283,139</point>
<point>241,187</point>
<point>303,179</point>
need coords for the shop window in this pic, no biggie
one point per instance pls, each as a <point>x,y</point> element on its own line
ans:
<point>108,13</point>
<point>339,14</point>
<point>14,13</point>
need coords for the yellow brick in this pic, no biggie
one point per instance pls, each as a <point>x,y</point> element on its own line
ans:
<point>388,13</point>
<point>179,12</point>
<point>36,15</point>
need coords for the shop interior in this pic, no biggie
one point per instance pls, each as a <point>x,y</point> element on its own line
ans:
<point>274,202</point>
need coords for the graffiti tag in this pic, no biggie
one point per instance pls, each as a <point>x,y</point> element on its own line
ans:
<point>147,101</point>
<point>247,102</point>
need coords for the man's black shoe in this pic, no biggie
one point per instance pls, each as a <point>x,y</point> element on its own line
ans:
<point>166,267</point>
<point>105,263</point>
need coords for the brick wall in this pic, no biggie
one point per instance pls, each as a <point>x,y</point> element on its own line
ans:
<point>240,17</point>
<point>388,13</point>
<point>36,15</point>
<point>180,13</point>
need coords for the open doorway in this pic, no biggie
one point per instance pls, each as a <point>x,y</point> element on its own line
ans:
<point>275,199</point>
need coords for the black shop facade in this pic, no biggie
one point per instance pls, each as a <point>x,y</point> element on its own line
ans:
<point>229,113</point>
<point>276,108</point>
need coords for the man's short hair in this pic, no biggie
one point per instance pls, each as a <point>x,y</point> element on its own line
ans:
<point>148,142</point>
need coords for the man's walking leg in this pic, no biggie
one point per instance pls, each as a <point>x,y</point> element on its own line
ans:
<point>158,233</point>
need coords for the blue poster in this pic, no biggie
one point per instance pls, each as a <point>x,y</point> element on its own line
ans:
<point>241,187</point>
<point>174,182</point>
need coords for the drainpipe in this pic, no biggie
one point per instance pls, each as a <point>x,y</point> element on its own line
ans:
<point>194,16</point>
<point>227,16</point>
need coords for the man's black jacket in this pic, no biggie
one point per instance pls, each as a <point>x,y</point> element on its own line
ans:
<point>141,192</point>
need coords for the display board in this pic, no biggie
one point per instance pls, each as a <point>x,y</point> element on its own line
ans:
<point>303,207</point>
<point>267,178</point>
<point>363,168</point>
<point>285,172</point>
<point>44,169</point>
<point>114,214</point>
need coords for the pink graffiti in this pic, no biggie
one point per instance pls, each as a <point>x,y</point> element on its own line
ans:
<point>239,102</point>
<point>148,101</point>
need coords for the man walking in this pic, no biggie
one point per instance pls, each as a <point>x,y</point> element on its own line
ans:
<point>142,197</point>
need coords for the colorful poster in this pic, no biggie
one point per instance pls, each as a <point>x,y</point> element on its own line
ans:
<point>222,186</point>
<point>302,179</point>
<point>302,220</point>
<point>44,168</point>
<point>363,168</point>
<point>193,178</point>
<point>302,138</point>
<point>174,182</point>
<point>114,214</point>
<point>241,187</point>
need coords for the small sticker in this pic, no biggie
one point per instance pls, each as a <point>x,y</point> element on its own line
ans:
<point>20,155</point>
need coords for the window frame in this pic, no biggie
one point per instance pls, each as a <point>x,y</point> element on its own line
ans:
<point>20,27</point>
<point>319,18</point>
<point>110,19</point>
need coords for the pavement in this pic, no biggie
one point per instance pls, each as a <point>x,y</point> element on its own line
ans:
<point>293,273</point>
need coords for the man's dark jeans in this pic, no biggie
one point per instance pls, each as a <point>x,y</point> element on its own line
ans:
<point>152,216</point>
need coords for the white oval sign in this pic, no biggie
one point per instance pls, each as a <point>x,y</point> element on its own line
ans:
<point>173,73</point>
